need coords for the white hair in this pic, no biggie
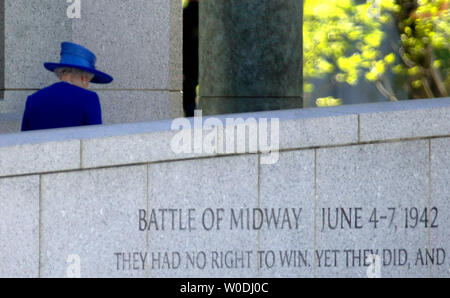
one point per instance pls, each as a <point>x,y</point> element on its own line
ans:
<point>75,71</point>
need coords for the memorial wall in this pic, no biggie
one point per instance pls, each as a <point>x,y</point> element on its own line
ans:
<point>348,191</point>
<point>351,191</point>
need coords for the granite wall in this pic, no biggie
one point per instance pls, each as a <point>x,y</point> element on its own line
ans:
<point>138,42</point>
<point>117,201</point>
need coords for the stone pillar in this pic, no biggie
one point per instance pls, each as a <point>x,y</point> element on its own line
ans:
<point>2,48</point>
<point>138,42</point>
<point>250,55</point>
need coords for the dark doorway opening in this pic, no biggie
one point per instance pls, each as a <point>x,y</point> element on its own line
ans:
<point>190,56</point>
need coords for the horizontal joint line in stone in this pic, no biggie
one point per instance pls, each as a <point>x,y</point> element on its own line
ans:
<point>136,89</point>
<point>124,165</point>
<point>224,155</point>
<point>387,141</point>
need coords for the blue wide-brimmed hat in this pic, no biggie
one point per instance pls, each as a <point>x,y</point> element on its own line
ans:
<point>76,56</point>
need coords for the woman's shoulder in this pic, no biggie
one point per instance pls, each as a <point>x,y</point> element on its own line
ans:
<point>60,88</point>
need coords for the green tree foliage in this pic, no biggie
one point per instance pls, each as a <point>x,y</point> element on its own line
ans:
<point>343,38</point>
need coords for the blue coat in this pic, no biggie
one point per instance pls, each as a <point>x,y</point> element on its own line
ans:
<point>61,105</point>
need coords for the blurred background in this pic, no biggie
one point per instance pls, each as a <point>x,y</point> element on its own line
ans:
<point>357,51</point>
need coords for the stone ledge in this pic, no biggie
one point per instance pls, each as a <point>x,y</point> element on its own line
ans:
<point>412,123</point>
<point>118,106</point>
<point>39,158</point>
<point>122,144</point>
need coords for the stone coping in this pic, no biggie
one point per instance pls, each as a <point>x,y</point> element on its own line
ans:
<point>121,144</point>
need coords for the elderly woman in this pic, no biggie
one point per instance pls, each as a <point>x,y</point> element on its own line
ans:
<point>68,102</point>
